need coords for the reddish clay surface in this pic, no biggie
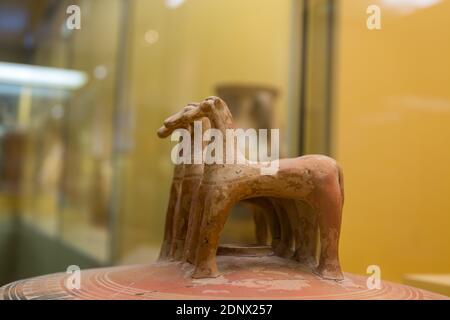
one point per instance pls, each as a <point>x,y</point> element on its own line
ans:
<point>242,278</point>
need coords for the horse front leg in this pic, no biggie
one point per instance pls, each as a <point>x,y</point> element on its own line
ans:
<point>261,229</point>
<point>180,222</point>
<point>189,189</point>
<point>215,213</point>
<point>270,219</point>
<point>194,224</point>
<point>171,212</point>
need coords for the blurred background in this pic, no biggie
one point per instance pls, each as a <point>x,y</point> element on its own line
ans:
<point>84,179</point>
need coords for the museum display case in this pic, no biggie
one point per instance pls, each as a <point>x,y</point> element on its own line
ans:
<point>85,86</point>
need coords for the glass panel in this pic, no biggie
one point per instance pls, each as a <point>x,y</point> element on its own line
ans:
<point>183,54</point>
<point>84,178</point>
<point>57,138</point>
<point>81,164</point>
<point>317,76</point>
<point>87,179</point>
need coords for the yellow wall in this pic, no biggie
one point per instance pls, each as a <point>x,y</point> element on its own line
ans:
<point>392,138</point>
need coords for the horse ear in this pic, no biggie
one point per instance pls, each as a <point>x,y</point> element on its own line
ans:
<point>218,103</point>
<point>206,106</point>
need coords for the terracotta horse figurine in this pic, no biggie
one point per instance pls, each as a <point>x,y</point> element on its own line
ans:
<point>314,180</point>
<point>288,221</point>
<point>179,225</point>
<point>270,215</point>
<point>185,182</point>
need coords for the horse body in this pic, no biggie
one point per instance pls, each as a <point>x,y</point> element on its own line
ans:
<point>307,189</point>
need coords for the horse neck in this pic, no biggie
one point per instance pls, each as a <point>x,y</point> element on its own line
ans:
<point>222,120</point>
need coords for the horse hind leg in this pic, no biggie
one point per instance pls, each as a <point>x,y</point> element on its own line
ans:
<point>329,202</point>
<point>286,243</point>
<point>306,236</point>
